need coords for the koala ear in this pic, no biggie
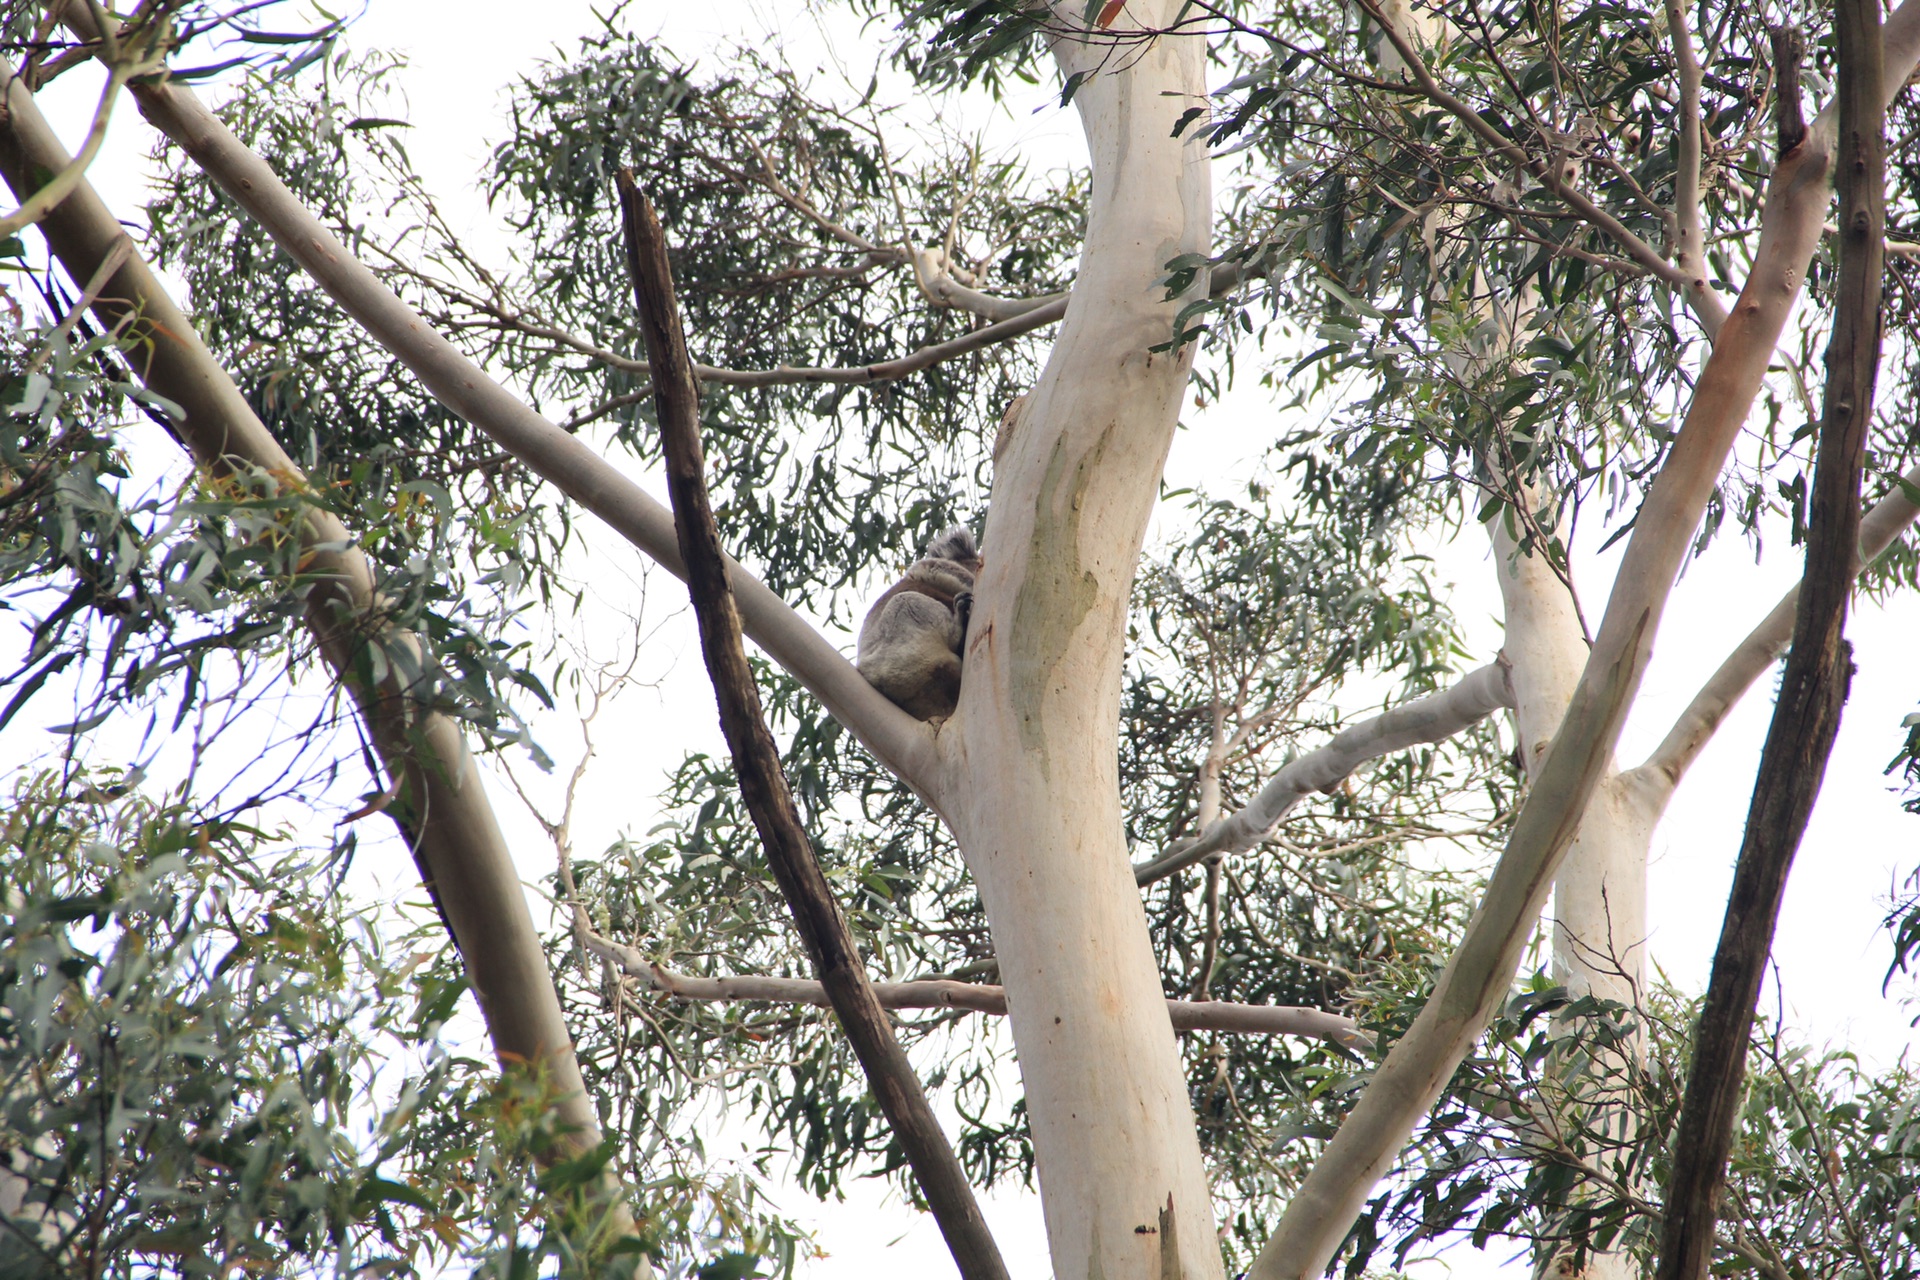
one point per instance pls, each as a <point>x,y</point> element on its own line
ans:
<point>955,544</point>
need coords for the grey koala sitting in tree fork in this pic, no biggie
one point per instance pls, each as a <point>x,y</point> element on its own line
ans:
<point>912,641</point>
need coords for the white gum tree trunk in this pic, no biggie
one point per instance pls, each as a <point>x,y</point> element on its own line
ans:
<point>1030,770</point>
<point>1600,895</point>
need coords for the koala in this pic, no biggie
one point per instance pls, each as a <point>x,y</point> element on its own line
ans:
<point>911,642</point>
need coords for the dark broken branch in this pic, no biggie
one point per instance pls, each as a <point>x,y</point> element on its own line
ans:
<point>1790,121</point>
<point>763,784</point>
<point>1819,666</point>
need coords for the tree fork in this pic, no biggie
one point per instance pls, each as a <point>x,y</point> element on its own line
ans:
<point>763,784</point>
<point>1814,686</point>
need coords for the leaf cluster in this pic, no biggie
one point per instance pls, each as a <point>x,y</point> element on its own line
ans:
<point>795,216</point>
<point>1559,1122</point>
<point>1477,327</point>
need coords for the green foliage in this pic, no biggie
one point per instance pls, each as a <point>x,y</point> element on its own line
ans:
<point>147,587</point>
<point>189,589</point>
<point>1488,333</point>
<point>186,1050</point>
<point>1556,1127</point>
<point>457,538</point>
<point>787,212</point>
<point>696,895</point>
<point>213,38</point>
<point>1903,922</point>
<point>209,1061</point>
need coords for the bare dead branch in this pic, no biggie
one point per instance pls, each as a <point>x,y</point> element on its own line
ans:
<point>1819,667</point>
<point>1790,123</point>
<point>1042,314</point>
<point>756,760</point>
<point>976,997</point>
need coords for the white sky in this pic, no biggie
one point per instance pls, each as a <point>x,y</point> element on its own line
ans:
<point>1830,953</point>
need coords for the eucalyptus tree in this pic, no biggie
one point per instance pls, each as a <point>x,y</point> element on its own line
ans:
<point>1499,241</point>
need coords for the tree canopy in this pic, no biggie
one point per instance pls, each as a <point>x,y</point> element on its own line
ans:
<point>278,552</point>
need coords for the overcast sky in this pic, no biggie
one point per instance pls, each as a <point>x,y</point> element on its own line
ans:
<point>1831,953</point>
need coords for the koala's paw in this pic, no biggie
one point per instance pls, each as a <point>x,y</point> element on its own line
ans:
<point>963,610</point>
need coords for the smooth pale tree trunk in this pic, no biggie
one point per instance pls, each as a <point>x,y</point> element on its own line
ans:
<point>1600,895</point>
<point>1031,783</point>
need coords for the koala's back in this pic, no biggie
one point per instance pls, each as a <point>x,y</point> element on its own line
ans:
<point>913,636</point>
<point>910,651</point>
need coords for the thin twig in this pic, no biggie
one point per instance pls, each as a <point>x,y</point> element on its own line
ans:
<point>973,997</point>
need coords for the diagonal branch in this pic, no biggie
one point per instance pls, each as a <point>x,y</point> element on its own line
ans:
<point>1764,645</point>
<point>899,741</point>
<point>1041,314</point>
<point>40,199</point>
<point>442,808</point>
<point>756,760</point>
<point>1433,718</point>
<point>976,997</point>
<point>1813,689</point>
<point>1022,316</point>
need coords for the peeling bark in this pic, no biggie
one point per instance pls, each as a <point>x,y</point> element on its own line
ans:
<point>1813,689</point>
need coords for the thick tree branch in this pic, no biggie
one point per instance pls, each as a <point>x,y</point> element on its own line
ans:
<point>38,199</point>
<point>976,997</point>
<point>442,808</point>
<point>1478,975</point>
<point>936,279</point>
<point>1813,688</point>
<point>1763,646</point>
<point>1433,718</point>
<point>756,760</point>
<point>901,743</point>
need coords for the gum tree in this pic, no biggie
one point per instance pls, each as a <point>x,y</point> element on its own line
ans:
<point>1501,242</point>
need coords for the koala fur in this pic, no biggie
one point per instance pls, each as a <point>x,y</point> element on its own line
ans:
<point>912,641</point>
